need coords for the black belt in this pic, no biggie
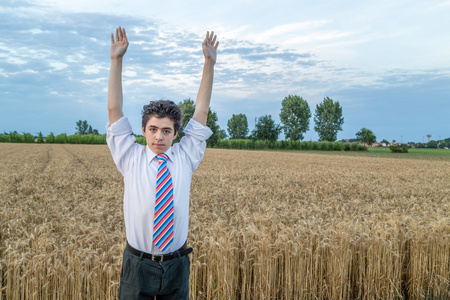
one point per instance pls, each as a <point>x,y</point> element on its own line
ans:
<point>180,252</point>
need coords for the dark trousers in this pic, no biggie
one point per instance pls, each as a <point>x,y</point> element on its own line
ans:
<point>142,278</point>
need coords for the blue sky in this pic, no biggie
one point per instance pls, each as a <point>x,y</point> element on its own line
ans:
<point>386,62</point>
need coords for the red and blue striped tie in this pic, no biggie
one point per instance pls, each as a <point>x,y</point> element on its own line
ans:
<point>163,221</point>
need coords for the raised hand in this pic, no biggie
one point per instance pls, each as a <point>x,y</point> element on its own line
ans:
<point>210,46</point>
<point>120,45</point>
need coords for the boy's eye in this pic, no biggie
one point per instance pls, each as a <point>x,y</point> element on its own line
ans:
<point>166,131</point>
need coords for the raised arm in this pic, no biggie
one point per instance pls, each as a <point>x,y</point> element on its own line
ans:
<point>204,93</point>
<point>115,95</point>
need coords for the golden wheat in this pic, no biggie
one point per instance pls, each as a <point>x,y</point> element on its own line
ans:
<point>263,225</point>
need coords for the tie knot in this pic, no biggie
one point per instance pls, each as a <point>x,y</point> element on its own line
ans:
<point>162,158</point>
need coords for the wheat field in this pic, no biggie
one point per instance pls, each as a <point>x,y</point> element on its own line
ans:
<point>263,225</point>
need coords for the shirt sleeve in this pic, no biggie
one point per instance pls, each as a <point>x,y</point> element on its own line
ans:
<point>121,143</point>
<point>193,143</point>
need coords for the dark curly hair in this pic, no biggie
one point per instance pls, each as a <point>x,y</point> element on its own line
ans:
<point>162,109</point>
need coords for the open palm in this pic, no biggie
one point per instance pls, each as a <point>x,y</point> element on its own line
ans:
<point>210,46</point>
<point>120,45</point>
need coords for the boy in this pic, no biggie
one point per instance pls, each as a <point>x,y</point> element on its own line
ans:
<point>157,181</point>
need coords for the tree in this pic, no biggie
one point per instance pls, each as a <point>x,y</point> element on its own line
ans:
<point>328,119</point>
<point>50,138</point>
<point>238,126</point>
<point>82,127</point>
<point>432,144</point>
<point>295,115</point>
<point>385,141</point>
<point>222,134</point>
<point>366,136</point>
<point>40,137</point>
<point>187,106</point>
<point>211,122</point>
<point>266,129</point>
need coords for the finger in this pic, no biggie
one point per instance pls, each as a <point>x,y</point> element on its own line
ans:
<point>211,35</point>
<point>124,34</point>
<point>217,45</point>
<point>214,40</point>
<point>112,38</point>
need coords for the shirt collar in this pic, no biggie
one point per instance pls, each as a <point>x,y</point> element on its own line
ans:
<point>152,155</point>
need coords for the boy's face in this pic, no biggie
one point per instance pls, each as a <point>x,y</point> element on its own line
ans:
<point>159,133</point>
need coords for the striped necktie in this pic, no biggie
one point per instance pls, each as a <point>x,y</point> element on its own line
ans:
<point>163,221</point>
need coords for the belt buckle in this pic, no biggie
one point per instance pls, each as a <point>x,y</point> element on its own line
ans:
<point>155,258</point>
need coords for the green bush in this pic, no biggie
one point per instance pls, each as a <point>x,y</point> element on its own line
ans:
<point>100,139</point>
<point>16,138</point>
<point>227,144</point>
<point>315,146</point>
<point>236,144</point>
<point>284,145</point>
<point>260,144</point>
<point>140,140</point>
<point>61,138</point>
<point>305,145</point>
<point>395,148</point>
<point>28,138</point>
<point>354,147</point>
<point>4,138</point>
<point>249,144</point>
<point>338,146</point>
<point>294,145</point>
<point>325,146</point>
<point>362,147</point>
<point>73,139</point>
<point>50,138</point>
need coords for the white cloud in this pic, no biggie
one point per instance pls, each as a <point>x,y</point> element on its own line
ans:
<point>288,30</point>
<point>75,58</point>
<point>91,69</point>
<point>129,73</point>
<point>36,31</point>
<point>12,59</point>
<point>96,80</point>
<point>58,66</point>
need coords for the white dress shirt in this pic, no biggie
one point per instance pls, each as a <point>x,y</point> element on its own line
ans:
<point>138,165</point>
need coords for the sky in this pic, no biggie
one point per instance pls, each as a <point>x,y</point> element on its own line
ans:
<point>386,62</point>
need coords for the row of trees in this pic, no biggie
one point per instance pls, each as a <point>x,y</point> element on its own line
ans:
<point>295,117</point>
<point>84,135</point>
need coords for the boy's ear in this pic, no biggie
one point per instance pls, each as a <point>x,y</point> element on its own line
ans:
<point>143,130</point>
<point>175,135</point>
